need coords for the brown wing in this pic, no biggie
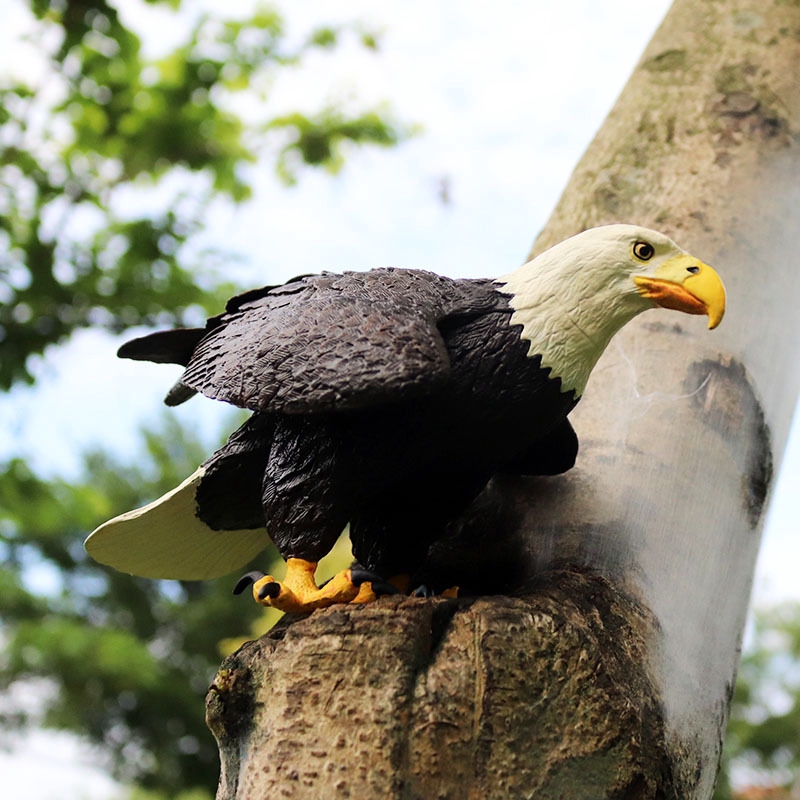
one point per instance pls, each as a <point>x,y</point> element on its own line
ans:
<point>331,342</point>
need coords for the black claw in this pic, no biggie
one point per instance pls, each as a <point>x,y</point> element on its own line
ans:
<point>358,575</point>
<point>423,590</point>
<point>379,586</point>
<point>271,589</point>
<point>247,580</point>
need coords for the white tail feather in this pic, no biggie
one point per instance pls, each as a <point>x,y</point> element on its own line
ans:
<point>166,539</point>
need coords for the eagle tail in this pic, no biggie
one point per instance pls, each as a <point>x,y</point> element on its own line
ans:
<point>166,539</point>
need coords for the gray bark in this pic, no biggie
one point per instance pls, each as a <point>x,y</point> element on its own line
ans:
<point>610,674</point>
<point>703,144</point>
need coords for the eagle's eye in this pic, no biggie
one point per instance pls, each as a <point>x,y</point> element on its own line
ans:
<point>644,251</point>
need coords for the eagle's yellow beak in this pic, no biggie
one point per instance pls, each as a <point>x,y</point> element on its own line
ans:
<point>685,284</point>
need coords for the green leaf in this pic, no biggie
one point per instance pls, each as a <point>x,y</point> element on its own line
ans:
<point>123,124</point>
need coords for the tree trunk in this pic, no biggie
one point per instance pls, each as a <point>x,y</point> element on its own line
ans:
<point>610,674</point>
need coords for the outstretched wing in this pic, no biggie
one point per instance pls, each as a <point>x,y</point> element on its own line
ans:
<point>324,342</point>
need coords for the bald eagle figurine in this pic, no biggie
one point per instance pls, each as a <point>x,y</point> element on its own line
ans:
<point>386,400</point>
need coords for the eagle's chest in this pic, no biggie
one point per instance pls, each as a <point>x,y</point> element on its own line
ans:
<point>498,385</point>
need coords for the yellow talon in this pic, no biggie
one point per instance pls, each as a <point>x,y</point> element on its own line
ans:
<point>365,594</point>
<point>299,593</point>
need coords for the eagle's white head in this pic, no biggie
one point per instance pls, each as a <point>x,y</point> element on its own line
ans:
<point>574,297</point>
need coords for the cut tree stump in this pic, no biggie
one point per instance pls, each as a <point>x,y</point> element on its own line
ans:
<point>537,696</point>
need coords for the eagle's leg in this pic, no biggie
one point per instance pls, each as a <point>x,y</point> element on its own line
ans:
<point>391,536</point>
<point>306,507</point>
<point>299,593</point>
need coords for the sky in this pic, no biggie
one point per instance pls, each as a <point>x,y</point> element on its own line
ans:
<point>506,99</point>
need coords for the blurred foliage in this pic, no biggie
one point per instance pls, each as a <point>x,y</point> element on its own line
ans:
<point>762,744</point>
<point>192,794</point>
<point>110,162</point>
<point>123,661</point>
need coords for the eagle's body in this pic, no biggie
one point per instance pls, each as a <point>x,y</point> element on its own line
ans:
<point>387,399</point>
<point>396,452</point>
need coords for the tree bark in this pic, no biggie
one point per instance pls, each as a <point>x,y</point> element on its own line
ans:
<point>609,673</point>
<point>489,698</point>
